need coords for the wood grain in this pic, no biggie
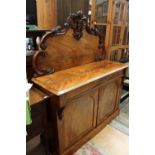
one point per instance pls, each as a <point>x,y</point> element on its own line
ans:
<point>46,13</point>
<point>64,51</point>
<point>108,99</point>
<point>36,96</point>
<point>81,108</point>
<point>64,81</point>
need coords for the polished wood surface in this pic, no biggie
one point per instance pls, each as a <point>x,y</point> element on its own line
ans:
<point>64,51</point>
<point>83,90</point>
<point>36,96</point>
<point>79,118</point>
<point>87,98</point>
<point>70,79</point>
<point>108,99</point>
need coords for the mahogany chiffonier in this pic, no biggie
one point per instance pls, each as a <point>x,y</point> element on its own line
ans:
<point>84,89</point>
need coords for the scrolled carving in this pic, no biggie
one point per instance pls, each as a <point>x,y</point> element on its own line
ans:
<point>101,46</point>
<point>76,21</point>
<point>38,71</point>
<point>41,50</point>
<point>54,32</point>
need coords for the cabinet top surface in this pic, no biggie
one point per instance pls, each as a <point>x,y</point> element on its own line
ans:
<point>64,81</point>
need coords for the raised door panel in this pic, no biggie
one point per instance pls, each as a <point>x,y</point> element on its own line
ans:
<point>108,99</point>
<point>79,117</point>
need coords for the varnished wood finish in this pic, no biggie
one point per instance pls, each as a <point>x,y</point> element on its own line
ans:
<point>85,99</point>
<point>64,51</point>
<point>83,92</point>
<point>77,109</point>
<point>108,99</point>
<point>72,149</point>
<point>73,50</point>
<point>77,22</point>
<point>36,96</point>
<point>70,79</point>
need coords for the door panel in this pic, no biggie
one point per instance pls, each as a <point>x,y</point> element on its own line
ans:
<point>79,117</point>
<point>108,99</point>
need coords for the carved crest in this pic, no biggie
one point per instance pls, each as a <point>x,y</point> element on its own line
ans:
<point>41,50</point>
<point>76,21</point>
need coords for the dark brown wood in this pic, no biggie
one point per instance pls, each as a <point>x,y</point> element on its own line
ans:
<point>38,114</point>
<point>90,134</point>
<point>42,53</point>
<point>70,79</point>
<point>83,92</point>
<point>64,52</point>
<point>80,108</point>
<point>30,72</point>
<point>39,126</point>
<point>108,101</point>
<point>67,51</point>
<point>77,21</point>
<point>78,112</point>
<point>36,96</point>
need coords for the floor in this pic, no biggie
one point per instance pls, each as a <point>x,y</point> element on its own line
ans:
<point>112,140</point>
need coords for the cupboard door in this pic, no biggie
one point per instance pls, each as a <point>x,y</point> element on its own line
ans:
<point>78,118</point>
<point>108,99</point>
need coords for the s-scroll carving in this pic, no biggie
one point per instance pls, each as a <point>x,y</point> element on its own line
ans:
<point>101,44</point>
<point>41,53</point>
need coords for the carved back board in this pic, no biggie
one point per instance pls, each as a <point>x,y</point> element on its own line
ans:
<point>65,48</point>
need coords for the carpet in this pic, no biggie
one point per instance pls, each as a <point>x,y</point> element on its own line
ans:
<point>91,149</point>
<point>121,122</point>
